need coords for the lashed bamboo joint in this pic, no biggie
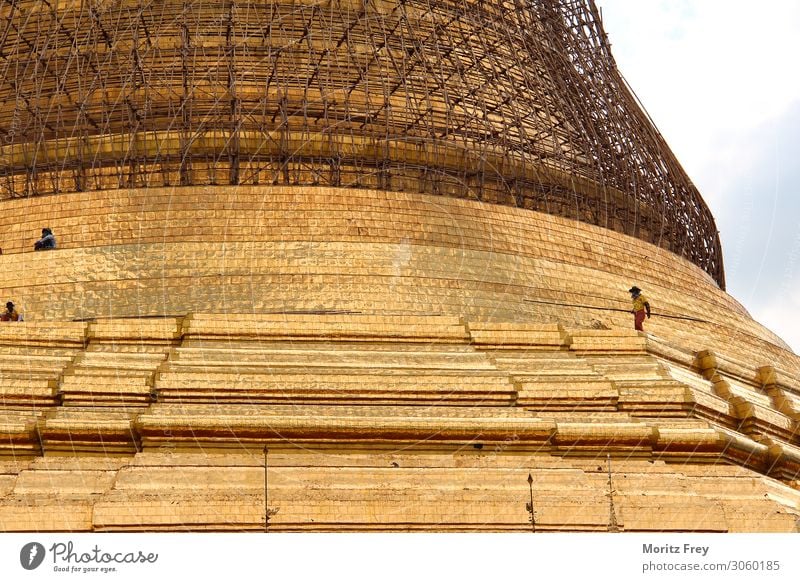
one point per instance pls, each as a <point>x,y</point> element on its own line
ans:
<point>512,102</point>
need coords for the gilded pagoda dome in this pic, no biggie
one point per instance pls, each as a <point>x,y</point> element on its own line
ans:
<point>516,103</point>
<point>328,265</point>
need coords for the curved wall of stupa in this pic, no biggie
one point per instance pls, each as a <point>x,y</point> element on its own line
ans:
<point>171,251</point>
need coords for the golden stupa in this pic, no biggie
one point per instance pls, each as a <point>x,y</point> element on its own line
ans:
<point>363,265</point>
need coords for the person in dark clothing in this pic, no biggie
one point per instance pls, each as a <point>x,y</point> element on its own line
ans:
<point>10,314</point>
<point>47,242</point>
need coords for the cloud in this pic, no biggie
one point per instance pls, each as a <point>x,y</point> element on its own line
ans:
<point>703,67</point>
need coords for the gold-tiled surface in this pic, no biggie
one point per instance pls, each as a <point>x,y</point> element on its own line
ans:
<point>369,427</point>
<point>131,253</point>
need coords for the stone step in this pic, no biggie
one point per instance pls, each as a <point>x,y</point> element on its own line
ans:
<point>662,398</point>
<point>43,513</point>
<point>32,375</point>
<point>351,327</point>
<point>487,335</point>
<point>305,386</point>
<point>180,378</point>
<point>566,393</point>
<point>72,380</point>
<point>587,341</point>
<point>649,371</point>
<point>122,359</point>
<point>361,411</point>
<point>44,333</point>
<point>29,391</point>
<point>547,364</point>
<point>18,434</point>
<point>106,390</point>
<point>246,346</point>
<point>135,330</point>
<point>93,435</point>
<point>64,483</point>
<point>330,358</point>
<point>165,425</point>
<point>81,374</point>
<point>33,361</point>
<point>128,348</point>
<point>22,351</point>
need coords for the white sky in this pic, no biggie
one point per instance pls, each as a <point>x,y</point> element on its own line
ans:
<point>721,80</point>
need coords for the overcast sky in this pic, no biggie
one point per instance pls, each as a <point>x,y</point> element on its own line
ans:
<point>720,79</point>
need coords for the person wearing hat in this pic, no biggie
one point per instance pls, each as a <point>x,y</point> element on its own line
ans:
<point>10,314</point>
<point>47,242</point>
<point>640,307</point>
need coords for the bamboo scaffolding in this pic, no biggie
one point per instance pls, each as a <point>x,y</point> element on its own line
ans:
<point>515,102</point>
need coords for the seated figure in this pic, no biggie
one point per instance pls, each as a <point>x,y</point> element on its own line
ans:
<point>47,242</point>
<point>10,314</point>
